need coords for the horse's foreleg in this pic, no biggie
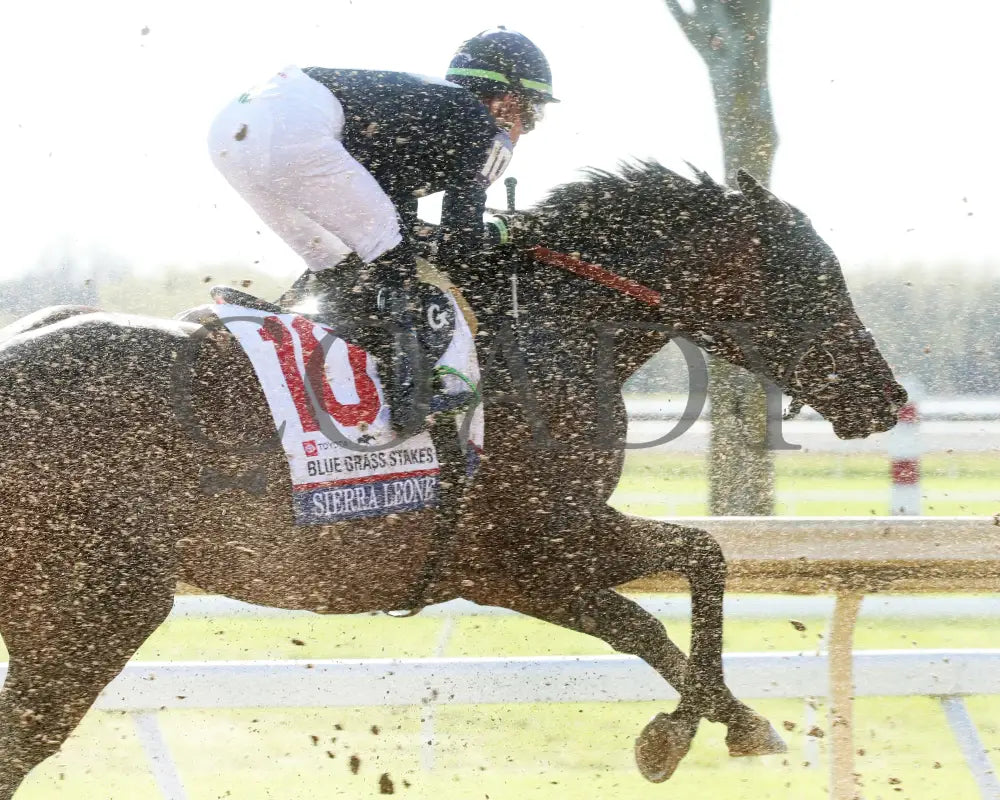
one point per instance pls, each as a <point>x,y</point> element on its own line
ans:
<point>696,555</point>
<point>59,663</point>
<point>629,628</point>
<point>621,549</point>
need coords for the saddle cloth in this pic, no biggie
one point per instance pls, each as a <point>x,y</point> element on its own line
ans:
<point>342,460</point>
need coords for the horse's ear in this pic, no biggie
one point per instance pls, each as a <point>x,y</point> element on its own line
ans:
<point>747,182</point>
<point>759,196</point>
<point>752,189</point>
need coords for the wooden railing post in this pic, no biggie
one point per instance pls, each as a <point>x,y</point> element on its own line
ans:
<point>843,780</point>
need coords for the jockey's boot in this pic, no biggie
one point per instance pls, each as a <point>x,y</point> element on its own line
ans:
<point>387,329</point>
<point>375,307</point>
<point>393,340</point>
<point>401,362</point>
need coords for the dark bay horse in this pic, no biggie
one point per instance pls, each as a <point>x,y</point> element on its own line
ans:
<point>110,490</point>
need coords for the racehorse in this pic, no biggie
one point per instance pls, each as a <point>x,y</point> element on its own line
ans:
<point>107,494</point>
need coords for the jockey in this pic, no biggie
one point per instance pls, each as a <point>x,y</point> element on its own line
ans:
<point>333,160</point>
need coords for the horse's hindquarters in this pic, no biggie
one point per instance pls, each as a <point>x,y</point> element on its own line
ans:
<point>124,439</point>
<point>44,316</point>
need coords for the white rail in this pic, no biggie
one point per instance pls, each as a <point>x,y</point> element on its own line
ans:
<point>147,688</point>
<point>744,607</point>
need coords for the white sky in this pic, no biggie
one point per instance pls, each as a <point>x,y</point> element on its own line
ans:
<point>886,110</point>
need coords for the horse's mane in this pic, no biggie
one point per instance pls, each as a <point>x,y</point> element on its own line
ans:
<point>649,222</point>
<point>644,210</point>
<point>639,192</point>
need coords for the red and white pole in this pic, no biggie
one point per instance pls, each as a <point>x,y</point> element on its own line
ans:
<point>904,455</point>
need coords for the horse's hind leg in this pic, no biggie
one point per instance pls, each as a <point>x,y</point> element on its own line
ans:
<point>63,651</point>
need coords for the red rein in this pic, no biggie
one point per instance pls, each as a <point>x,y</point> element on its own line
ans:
<point>592,272</point>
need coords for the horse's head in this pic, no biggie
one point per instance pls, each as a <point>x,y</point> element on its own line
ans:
<point>741,273</point>
<point>794,322</point>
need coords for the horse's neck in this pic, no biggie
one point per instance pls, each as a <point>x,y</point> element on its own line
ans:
<point>698,274</point>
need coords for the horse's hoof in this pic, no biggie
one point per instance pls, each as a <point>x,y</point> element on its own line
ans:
<point>661,746</point>
<point>754,737</point>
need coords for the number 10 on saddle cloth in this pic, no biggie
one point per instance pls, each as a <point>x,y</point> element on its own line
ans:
<point>299,362</point>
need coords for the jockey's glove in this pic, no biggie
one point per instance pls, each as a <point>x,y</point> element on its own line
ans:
<point>511,227</point>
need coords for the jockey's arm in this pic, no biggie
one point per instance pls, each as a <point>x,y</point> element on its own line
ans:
<point>462,234</point>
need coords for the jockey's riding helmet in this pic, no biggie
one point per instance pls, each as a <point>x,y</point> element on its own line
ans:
<point>497,61</point>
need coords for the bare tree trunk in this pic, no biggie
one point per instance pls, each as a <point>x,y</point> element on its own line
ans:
<point>731,37</point>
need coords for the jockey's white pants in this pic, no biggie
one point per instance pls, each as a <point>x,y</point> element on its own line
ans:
<point>279,146</point>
